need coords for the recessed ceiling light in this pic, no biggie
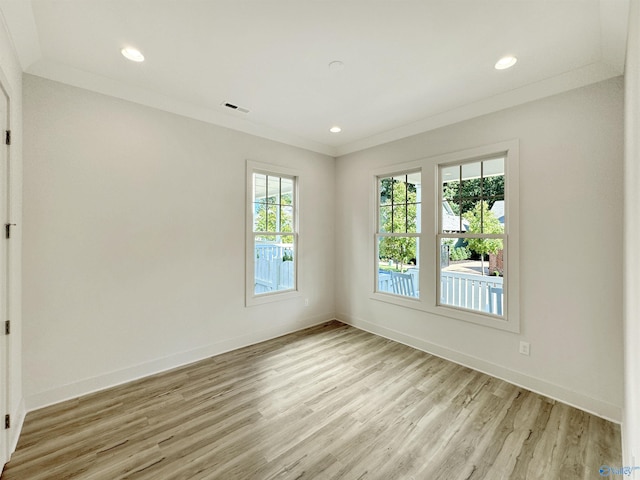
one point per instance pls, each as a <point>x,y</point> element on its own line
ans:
<point>132,54</point>
<point>335,129</point>
<point>506,62</point>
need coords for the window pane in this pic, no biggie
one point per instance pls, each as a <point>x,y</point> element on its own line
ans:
<point>413,218</point>
<point>451,193</point>
<point>271,219</point>
<point>273,184</point>
<point>259,217</point>
<point>451,175</point>
<point>259,188</point>
<point>497,209</point>
<point>471,171</point>
<point>286,195</point>
<point>385,190</point>
<point>385,219</point>
<point>494,187</point>
<point>399,219</point>
<point>470,187</point>
<point>493,168</point>
<point>414,178</point>
<point>413,205</point>
<point>468,280</point>
<point>398,266</point>
<point>286,219</point>
<point>483,220</point>
<point>451,219</point>
<point>264,217</point>
<point>274,263</point>
<point>399,189</point>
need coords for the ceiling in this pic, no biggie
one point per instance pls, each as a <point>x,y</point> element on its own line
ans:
<point>409,66</point>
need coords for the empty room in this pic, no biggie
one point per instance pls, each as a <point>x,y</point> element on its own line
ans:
<point>320,239</point>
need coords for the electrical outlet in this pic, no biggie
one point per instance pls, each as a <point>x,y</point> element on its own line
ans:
<point>306,302</point>
<point>524,348</point>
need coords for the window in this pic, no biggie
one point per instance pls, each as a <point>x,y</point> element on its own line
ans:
<point>458,256</point>
<point>398,234</point>
<point>471,235</point>
<point>272,234</point>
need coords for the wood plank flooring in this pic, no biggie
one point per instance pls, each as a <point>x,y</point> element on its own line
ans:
<point>330,402</point>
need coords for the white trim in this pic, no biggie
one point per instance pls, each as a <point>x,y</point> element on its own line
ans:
<point>590,74</point>
<point>125,375</point>
<point>19,21</point>
<point>587,75</point>
<point>7,342</point>
<point>597,407</point>
<point>631,267</point>
<point>17,422</point>
<point>97,83</point>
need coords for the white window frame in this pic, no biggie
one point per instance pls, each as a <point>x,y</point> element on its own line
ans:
<point>379,234</point>
<point>429,237</point>
<point>251,298</point>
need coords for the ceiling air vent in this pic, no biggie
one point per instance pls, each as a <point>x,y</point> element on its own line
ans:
<point>235,107</point>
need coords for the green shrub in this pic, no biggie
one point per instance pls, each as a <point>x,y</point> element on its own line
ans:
<point>459,253</point>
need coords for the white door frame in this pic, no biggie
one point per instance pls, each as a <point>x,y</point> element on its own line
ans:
<point>5,373</point>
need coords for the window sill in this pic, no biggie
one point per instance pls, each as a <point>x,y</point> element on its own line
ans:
<point>509,323</point>
<point>264,298</point>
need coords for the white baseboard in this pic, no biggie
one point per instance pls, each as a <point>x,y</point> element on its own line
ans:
<point>108,380</point>
<point>597,407</point>
<point>17,421</point>
<point>583,402</point>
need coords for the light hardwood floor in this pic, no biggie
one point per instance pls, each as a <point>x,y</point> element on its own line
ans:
<point>328,402</point>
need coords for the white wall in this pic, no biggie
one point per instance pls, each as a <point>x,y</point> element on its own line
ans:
<point>571,203</point>
<point>631,423</point>
<point>134,241</point>
<point>11,78</point>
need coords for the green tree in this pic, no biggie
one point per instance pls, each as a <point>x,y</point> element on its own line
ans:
<point>482,220</point>
<point>462,196</point>
<point>272,217</point>
<point>399,249</point>
<point>398,214</point>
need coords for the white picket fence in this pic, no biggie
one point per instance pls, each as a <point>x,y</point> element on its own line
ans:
<point>475,292</point>
<point>470,291</point>
<point>272,271</point>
